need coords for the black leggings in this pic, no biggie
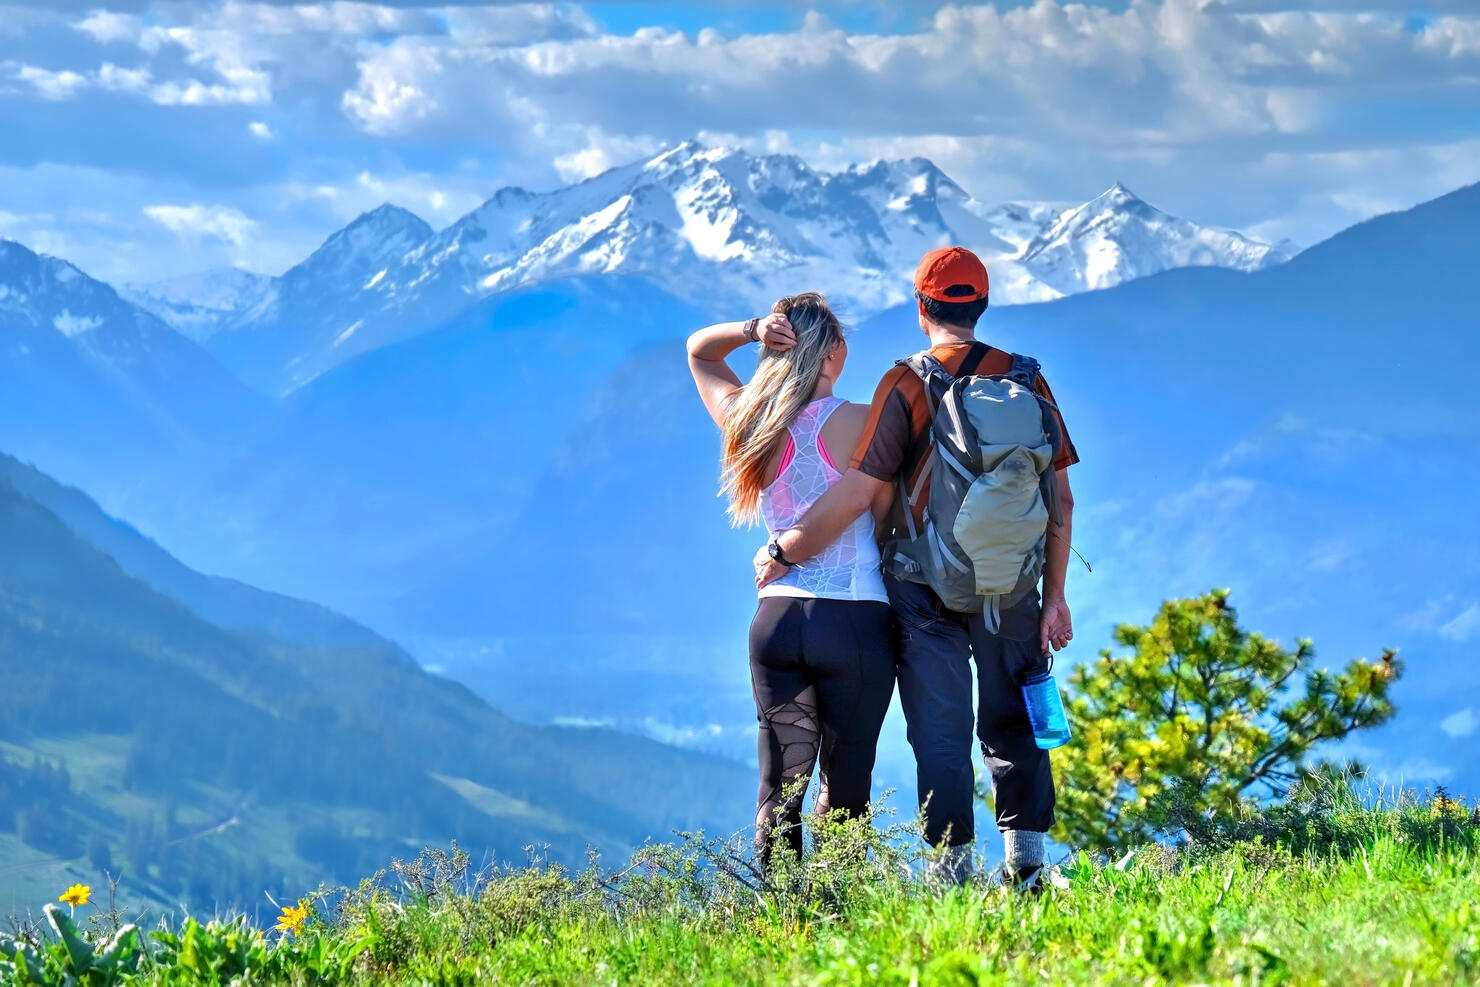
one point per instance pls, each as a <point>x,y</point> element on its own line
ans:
<point>823,675</point>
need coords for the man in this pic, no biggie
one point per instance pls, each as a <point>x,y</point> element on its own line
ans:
<point>937,644</point>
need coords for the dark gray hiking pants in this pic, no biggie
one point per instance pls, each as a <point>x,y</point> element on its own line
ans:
<point>936,647</point>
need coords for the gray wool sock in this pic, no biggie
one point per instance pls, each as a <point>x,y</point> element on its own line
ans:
<point>1024,849</point>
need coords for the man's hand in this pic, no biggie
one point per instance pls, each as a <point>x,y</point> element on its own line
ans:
<point>767,569</point>
<point>776,333</point>
<point>1055,626</point>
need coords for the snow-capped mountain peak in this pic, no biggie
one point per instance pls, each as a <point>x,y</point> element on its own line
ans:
<point>53,315</point>
<point>712,223</point>
<point>719,227</point>
<point>195,305</point>
<point>374,239</point>
<point>41,293</point>
<point>1117,237</point>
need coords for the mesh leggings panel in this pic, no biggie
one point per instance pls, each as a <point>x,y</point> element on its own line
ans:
<point>793,734</point>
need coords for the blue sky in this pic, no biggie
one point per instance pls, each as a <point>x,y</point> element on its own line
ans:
<point>147,138</point>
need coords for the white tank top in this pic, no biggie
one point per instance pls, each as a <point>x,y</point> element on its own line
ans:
<point>848,569</point>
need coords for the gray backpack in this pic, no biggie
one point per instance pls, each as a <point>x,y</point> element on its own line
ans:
<point>993,439</point>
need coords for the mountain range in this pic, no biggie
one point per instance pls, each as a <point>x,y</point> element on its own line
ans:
<point>718,228</point>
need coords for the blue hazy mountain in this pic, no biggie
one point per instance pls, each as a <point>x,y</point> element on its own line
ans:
<point>225,602</point>
<point>101,389</point>
<point>398,466</point>
<point>212,763</point>
<point>291,327</point>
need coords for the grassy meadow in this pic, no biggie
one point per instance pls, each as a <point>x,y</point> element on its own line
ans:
<point>1323,889</point>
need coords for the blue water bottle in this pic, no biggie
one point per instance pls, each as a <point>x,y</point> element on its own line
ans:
<point>1046,710</point>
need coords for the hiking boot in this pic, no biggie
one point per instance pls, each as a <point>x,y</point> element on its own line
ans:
<point>1027,880</point>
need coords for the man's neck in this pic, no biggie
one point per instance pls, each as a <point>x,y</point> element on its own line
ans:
<point>949,335</point>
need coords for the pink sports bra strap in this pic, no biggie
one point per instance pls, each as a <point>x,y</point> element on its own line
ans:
<point>787,454</point>
<point>826,456</point>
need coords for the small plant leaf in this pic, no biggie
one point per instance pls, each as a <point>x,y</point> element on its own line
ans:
<point>79,953</point>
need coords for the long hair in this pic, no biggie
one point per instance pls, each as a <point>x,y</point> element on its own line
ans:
<point>757,419</point>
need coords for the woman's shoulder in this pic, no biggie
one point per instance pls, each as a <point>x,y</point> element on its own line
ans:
<point>851,413</point>
<point>845,425</point>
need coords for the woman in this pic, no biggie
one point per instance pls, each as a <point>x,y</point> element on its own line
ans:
<point>821,643</point>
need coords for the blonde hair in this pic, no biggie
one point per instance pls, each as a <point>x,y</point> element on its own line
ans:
<point>758,417</point>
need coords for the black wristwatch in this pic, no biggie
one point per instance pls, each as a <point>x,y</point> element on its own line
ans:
<point>775,551</point>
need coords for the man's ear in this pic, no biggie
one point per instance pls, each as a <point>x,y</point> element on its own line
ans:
<point>924,317</point>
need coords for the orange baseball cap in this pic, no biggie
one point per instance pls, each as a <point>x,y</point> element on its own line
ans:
<point>952,274</point>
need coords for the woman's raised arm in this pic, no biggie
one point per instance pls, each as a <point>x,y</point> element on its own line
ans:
<point>708,348</point>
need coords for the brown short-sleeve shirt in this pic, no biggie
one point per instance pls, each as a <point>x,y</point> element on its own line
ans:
<point>895,440</point>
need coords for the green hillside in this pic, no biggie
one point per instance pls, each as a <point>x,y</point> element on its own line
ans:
<point>209,763</point>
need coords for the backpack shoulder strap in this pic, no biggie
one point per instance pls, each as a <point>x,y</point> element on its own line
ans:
<point>974,360</point>
<point>925,366</point>
<point>1027,371</point>
<point>932,374</point>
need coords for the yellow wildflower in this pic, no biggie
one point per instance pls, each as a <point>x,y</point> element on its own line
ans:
<point>77,894</point>
<point>292,918</point>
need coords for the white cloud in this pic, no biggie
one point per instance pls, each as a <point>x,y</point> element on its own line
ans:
<point>245,50</point>
<point>386,100</point>
<point>260,129</point>
<point>1461,724</point>
<point>48,84</point>
<point>223,223</point>
<point>1463,627</point>
<point>116,79</point>
<point>250,89</point>
<point>106,26</point>
<point>1157,72</point>
<point>602,152</point>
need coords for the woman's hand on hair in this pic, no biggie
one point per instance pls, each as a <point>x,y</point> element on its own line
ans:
<point>776,333</point>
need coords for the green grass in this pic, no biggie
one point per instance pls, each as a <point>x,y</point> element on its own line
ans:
<point>1230,918</point>
<point>1344,895</point>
